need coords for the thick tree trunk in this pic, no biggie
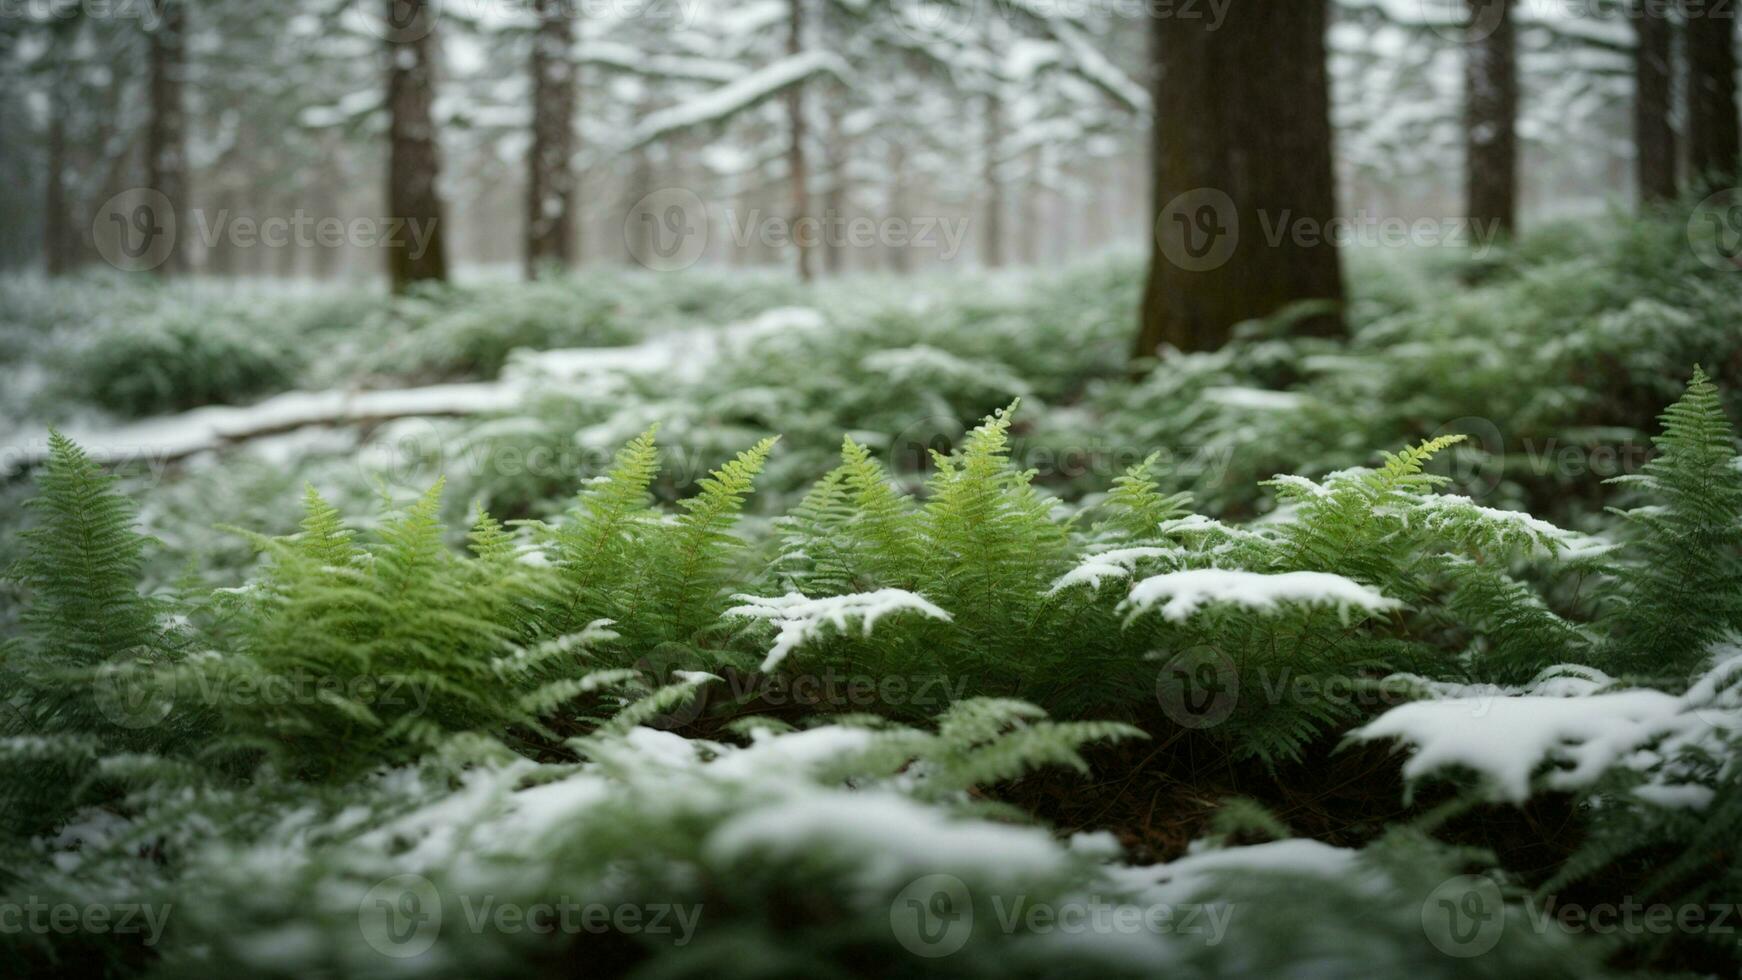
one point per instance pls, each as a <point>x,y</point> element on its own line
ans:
<point>1653,139</point>
<point>1242,175</point>
<point>1713,142</point>
<point>992,247</point>
<point>413,164</point>
<point>1490,117</point>
<point>795,161</point>
<point>166,129</point>
<point>550,180</point>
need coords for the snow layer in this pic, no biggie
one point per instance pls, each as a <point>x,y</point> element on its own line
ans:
<point>802,619</point>
<point>1578,730</point>
<point>1188,591</point>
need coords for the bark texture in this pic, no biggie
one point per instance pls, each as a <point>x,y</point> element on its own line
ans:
<point>413,163</point>
<point>166,129</point>
<point>1653,137</point>
<point>550,179</point>
<point>1713,142</point>
<point>795,157</point>
<point>1491,117</point>
<point>1242,161</point>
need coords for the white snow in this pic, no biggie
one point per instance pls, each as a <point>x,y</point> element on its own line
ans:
<point>1117,564</point>
<point>735,96</point>
<point>1188,591</point>
<point>1186,880</point>
<point>802,619</point>
<point>681,355</point>
<point>1578,734</point>
<point>891,838</point>
<point>1255,399</point>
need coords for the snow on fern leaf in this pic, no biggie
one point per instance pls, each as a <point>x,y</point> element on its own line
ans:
<point>1097,568</point>
<point>1186,592</point>
<point>801,618</point>
<point>1578,731</point>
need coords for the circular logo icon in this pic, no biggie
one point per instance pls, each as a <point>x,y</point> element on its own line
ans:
<point>667,230</point>
<point>1476,465</point>
<point>401,916</point>
<point>910,449</point>
<point>1463,21</point>
<point>1715,230</point>
<point>399,21</point>
<point>939,20</point>
<point>1198,230</point>
<point>135,230</point>
<point>659,668</point>
<point>131,694</point>
<point>933,916</point>
<point>1464,916</point>
<point>407,453</point>
<point>1198,688</point>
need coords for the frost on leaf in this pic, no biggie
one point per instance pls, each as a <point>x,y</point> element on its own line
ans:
<point>802,619</point>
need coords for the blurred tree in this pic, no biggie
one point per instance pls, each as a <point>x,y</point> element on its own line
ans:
<point>796,168</point>
<point>413,163</point>
<point>166,131</point>
<point>1653,137</point>
<point>550,179</point>
<point>1491,116</point>
<point>1243,181</point>
<point>1713,141</point>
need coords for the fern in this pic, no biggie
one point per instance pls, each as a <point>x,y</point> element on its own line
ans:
<point>1681,588</point>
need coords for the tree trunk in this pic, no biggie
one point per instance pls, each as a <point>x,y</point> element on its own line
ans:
<point>1242,145</point>
<point>56,253</point>
<point>1713,143</point>
<point>412,162</point>
<point>835,195</point>
<point>166,129</point>
<point>992,245</point>
<point>899,261</point>
<point>795,162</point>
<point>1653,139</point>
<point>1029,236</point>
<point>1490,117</point>
<point>550,181</point>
